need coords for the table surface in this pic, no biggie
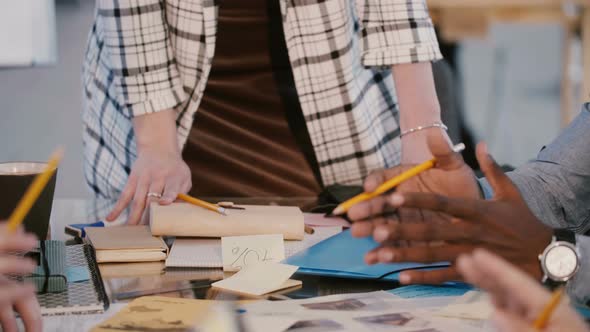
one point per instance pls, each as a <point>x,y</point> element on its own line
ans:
<point>137,279</point>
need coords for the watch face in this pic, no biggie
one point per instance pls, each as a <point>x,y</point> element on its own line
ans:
<point>561,262</point>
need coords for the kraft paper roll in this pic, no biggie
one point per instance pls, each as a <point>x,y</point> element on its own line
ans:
<point>183,219</point>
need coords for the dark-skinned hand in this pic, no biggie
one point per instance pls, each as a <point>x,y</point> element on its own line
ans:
<point>504,225</point>
<point>451,177</point>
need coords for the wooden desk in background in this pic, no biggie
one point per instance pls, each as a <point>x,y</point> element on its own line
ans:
<point>460,19</point>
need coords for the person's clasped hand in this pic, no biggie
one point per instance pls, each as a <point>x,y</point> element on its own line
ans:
<point>504,225</point>
<point>14,295</point>
<point>517,298</point>
<point>451,177</point>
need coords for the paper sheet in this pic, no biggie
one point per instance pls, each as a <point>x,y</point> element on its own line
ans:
<point>268,323</point>
<point>320,234</point>
<point>195,253</point>
<point>153,313</point>
<point>64,323</point>
<point>240,251</point>
<point>202,252</point>
<point>260,279</point>
<point>473,305</point>
<point>422,291</point>
<point>320,219</point>
<point>374,311</point>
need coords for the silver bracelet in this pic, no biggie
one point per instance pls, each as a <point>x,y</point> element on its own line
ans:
<point>434,125</point>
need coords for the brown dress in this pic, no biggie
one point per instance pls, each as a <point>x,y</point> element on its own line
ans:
<point>241,143</point>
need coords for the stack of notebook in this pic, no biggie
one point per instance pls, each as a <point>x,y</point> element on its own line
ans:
<point>126,244</point>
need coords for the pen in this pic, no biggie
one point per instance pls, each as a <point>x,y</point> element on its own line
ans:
<point>545,315</point>
<point>34,190</point>
<point>201,203</point>
<point>390,184</point>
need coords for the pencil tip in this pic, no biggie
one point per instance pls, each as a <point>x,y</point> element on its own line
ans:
<point>338,211</point>
<point>222,211</point>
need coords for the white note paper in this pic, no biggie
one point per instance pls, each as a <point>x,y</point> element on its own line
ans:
<point>240,251</point>
<point>472,305</point>
<point>199,252</point>
<point>260,279</point>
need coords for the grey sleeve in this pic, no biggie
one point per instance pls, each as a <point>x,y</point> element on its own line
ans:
<point>556,185</point>
<point>579,287</point>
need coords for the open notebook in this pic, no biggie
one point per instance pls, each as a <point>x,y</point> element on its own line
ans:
<point>200,252</point>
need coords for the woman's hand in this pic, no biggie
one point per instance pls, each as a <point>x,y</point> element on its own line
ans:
<point>13,295</point>
<point>518,299</point>
<point>158,170</point>
<point>418,107</point>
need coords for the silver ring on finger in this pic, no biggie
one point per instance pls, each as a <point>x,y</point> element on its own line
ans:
<point>155,195</point>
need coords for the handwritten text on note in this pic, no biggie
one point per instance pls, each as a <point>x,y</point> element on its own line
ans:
<point>240,251</point>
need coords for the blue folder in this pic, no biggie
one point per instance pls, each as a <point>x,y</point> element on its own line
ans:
<point>343,256</point>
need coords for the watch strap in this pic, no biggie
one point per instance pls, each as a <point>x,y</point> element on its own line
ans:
<point>562,234</point>
<point>552,284</point>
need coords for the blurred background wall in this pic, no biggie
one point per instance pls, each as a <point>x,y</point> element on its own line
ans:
<point>40,106</point>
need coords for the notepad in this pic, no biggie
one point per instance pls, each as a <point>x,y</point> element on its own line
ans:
<point>260,279</point>
<point>126,244</point>
<point>206,253</point>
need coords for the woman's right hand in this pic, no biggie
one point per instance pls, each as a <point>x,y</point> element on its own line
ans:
<point>158,169</point>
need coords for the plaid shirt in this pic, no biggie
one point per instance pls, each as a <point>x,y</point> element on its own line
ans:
<point>151,55</point>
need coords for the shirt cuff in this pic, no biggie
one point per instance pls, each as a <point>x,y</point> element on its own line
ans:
<point>486,190</point>
<point>401,55</point>
<point>160,101</point>
<point>389,44</point>
<point>579,288</point>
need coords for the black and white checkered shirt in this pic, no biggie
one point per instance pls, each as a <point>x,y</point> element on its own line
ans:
<point>145,56</point>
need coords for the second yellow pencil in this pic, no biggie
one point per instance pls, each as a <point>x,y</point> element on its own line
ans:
<point>391,183</point>
<point>201,203</point>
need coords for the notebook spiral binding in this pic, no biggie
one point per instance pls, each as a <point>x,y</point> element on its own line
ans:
<point>96,277</point>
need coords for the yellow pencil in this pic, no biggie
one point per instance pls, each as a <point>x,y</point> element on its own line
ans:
<point>545,315</point>
<point>30,197</point>
<point>201,203</point>
<point>391,183</point>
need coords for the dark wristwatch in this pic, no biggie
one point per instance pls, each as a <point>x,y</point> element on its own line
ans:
<point>560,260</point>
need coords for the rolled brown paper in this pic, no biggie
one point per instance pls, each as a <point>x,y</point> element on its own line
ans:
<point>187,220</point>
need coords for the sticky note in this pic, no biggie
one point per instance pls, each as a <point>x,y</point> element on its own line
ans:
<point>77,273</point>
<point>240,251</point>
<point>260,279</point>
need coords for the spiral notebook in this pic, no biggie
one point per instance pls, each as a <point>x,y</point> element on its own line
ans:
<point>82,296</point>
<point>206,253</point>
